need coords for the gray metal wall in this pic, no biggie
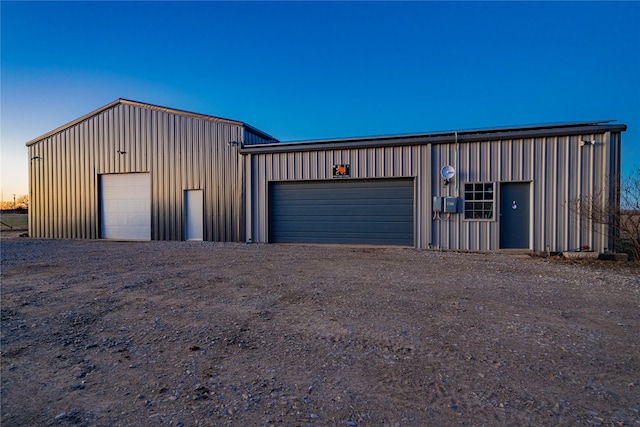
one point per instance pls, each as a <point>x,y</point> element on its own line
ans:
<point>558,168</point>
<point>381,162</point>
<point>180,151</point>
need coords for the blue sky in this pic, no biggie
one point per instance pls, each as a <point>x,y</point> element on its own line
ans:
<point>309,70</point>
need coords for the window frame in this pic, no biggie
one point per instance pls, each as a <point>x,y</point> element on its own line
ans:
<point>482,191</point>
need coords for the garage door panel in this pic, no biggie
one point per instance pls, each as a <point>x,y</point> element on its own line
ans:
<point>329,192</point>
<point>351,192</point>
<point>344,183</point>
<point>354,211</point>
<point>337,211</point>
<point>125,206</point>
<point>136,220</point>
<point>355,239</point>
<point>344,202</point>
<point>363,225</point>
<point>348,199</point>
<point>360,234</point>
<point>353,220</point>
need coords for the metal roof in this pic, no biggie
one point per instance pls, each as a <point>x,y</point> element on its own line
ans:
<point>484,134</point>
<point>473,135</point>
<point>153,107</point>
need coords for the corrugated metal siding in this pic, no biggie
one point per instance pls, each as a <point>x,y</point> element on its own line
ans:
<point>557,167</point>
<point>252,138</point>
<point>381,162</point>
<point>181,152</point>
<point>188,151</point>
<point>613,197</point>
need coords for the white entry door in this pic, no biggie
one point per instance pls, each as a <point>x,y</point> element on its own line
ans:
<point>125,206</point>
<point>193,215</point>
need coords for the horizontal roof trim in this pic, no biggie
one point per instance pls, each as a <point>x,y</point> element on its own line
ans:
<point>536,131</point>
<point>152,107</point>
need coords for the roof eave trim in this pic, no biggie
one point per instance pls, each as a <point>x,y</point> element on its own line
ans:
<point>450,137</point>
<point>200,116</point>
<point>260,133</point>
<point>149,107</point>
<point>180,112</point>
<point>74,122</point>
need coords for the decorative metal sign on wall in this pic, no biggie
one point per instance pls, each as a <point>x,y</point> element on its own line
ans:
<point>341,171</point>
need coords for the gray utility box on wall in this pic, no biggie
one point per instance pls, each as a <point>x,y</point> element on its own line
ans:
<point>437,204</point>
<point>445,204</point>
<point>450,205</point>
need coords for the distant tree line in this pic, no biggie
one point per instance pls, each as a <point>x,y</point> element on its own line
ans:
<point>21,203</point>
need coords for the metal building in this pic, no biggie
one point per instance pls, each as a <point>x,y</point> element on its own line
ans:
<point>137,171</point>
<point>506,188</point>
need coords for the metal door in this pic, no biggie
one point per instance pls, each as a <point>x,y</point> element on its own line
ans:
<point>349,211</point>
<point>515,215</point>
<point>193,215</point>
<point>125,206</point>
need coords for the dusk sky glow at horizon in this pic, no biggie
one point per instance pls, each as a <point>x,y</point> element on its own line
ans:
<point>318,70</point>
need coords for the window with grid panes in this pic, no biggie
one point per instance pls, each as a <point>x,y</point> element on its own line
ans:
<point>479,200</point>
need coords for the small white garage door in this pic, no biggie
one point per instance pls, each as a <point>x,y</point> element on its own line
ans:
<point>125,206</point>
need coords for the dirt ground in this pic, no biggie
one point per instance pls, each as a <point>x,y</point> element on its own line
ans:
<point>98,333</point>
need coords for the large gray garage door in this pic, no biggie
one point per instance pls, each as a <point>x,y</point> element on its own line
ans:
<point>374,211</point>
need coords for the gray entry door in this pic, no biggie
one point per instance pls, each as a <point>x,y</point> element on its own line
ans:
<point>371,211</point>
<point>515,215</point>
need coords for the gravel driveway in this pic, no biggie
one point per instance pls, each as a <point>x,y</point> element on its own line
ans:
<point>99,333</point>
